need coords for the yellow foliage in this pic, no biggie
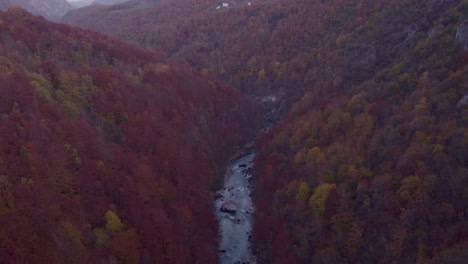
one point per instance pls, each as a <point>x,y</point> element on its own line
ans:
<point>161,68</point>
<point>74,88</point>
<point>318,199</point>
<point>299,158</point>
<point>261,75</point>
<point>364,125</point>
<point>303,192</point>
<point>437,149</point>
<point>315,159</point>
<point>73,152</point>
<point>15,108</point>
<point>27,181</point>
<point>113,222</point>
<point>413,189</point>
<point>41,91</point>
<point>292,187</point>
<point>73,248</point>
<point>70,109</point>
<point>42,86</point>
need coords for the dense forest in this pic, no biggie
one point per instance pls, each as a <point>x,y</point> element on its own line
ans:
<point>370,165</point>
<point>374,172</point>
<point>270,48</point>
<point>108,153</point>
<point>111,153</point>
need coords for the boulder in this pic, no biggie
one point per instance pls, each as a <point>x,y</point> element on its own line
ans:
<point>229,206</point>
<point>218,194</point>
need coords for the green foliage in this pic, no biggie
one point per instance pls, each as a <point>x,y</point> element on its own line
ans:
<point>43,86</point>
<point>72,245</point>
<point>42,91</point>
<point>101,237</point>
<point>394,88</point>
<point>70,109</point>
<point>75,88</point>
<point>395,70</point>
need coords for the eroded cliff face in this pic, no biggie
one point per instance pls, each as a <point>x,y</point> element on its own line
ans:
<point>49,9</point>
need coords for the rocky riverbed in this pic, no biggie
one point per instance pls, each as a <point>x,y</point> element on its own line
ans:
<point>234,208</point>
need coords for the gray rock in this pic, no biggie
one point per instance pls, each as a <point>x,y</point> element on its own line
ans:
<point>229,206</point>
<point>462,34</point>
<point>463,101</point>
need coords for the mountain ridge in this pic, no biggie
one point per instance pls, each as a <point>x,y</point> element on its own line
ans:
<point>50,9</point>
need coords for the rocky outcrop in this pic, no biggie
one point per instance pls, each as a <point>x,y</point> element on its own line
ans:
<point>463,101</point>
<point>462,34</point>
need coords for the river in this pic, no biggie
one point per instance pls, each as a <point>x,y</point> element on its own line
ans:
<point>235,223</point>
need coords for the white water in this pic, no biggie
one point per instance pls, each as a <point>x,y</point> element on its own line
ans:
<point>235,229</point>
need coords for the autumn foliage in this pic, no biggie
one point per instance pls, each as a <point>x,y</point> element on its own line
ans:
<point>108,153</point>
<point>375,172</point>
<point>266,48</point>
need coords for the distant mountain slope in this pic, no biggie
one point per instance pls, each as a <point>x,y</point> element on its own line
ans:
<point>108,152</point>
<point>82,3</point>
<point>267,48</point>
<point>50,9</point>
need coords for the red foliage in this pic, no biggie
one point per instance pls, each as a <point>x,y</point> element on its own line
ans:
<point>83,131</point>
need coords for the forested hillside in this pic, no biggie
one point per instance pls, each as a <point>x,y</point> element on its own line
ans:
<point>368,164</point>
<point>108,153</point>
<point>375,172</point>
<point>267,48</point>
